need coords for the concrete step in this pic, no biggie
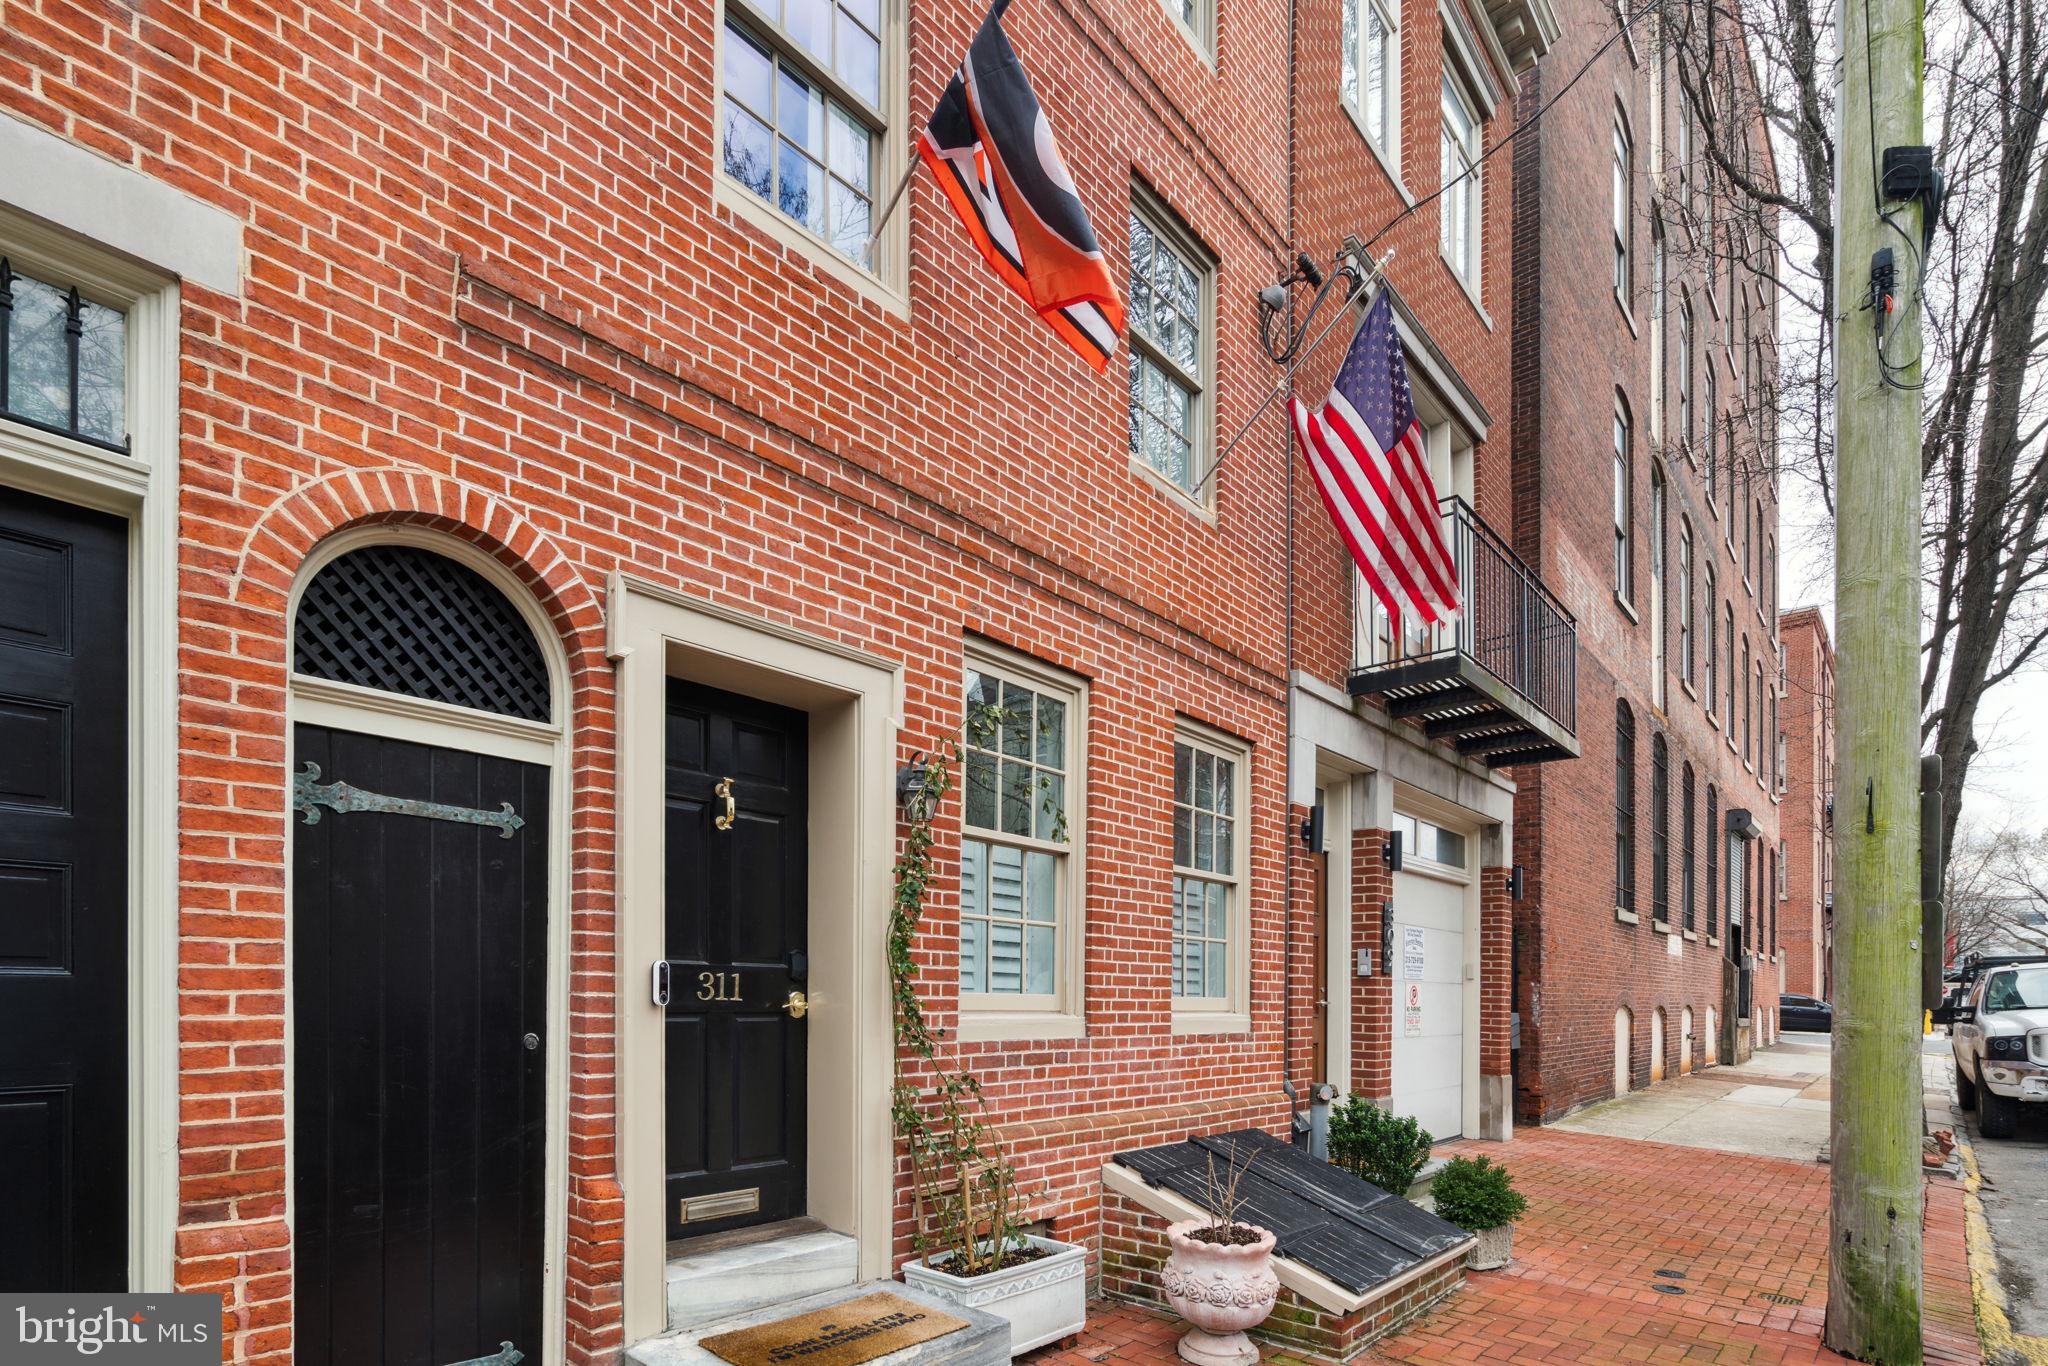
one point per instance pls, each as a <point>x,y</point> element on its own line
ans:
<point>985,1341</point>
<point>721,1277</point>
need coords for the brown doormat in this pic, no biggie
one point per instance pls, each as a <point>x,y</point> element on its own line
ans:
<point>843,1335</point>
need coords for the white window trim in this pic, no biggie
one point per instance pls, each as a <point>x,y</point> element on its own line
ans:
<point>1453,83</point>
<point>1166,225</point>
<point>1231,1014</point>
<point>887,286</point>
<point>993,1017</point>
<point>1387,150</point>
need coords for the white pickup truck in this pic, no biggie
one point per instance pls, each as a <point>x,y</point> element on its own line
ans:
<point>1999,1031</point>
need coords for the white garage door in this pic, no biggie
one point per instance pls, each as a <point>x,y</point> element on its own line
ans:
<point>1429,978</point>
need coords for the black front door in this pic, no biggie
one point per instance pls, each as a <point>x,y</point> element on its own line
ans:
<point>63,897</point>
<point>736,865</point>
<point>419,972</point>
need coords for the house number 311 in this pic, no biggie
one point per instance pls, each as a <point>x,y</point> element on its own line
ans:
<point>718,986</point>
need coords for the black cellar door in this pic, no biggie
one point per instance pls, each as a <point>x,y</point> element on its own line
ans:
<point>737,913</point>
<point>419,973</point>
<point>63,897</point>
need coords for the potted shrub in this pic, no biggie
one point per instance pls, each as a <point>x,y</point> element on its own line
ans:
<point>1386,1149</point>
<point>1219,1276</point>
<point>976,1255</point>
<point>972,1249</point>
<point>1480,1197</point>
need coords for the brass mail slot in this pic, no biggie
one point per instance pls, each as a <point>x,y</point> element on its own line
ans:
<point>723,1205</point>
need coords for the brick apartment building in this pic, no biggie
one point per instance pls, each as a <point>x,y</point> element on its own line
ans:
<point>480,540</point>
<point>1806,931</point>
<point>1644,946</point>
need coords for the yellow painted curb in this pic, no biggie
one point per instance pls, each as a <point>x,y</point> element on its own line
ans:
<point>2002,1346</point>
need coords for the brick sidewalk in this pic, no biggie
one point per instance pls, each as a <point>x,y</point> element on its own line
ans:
<point>1605,1216</point>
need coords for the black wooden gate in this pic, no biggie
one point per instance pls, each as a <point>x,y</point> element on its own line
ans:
<point>63,897</point>
<point>419,970</point>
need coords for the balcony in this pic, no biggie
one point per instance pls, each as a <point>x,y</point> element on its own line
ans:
<point>1499,684</point>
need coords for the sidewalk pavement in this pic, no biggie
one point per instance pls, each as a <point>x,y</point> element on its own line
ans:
<point>1745,1235</point>
<point>1774,1105</point>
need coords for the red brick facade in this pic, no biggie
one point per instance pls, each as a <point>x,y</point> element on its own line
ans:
<point>1592,975</point>
<point>1809,786</point>
<point>491,291</point>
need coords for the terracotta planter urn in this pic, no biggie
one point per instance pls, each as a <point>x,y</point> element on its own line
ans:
<point>1221,1290</point>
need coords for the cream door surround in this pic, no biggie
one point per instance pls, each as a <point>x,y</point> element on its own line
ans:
<point>855,703</point>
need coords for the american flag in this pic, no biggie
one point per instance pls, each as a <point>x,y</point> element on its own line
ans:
<point>1364,448</point>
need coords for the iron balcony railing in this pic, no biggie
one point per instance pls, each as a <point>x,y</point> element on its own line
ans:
<point>1509,624</point>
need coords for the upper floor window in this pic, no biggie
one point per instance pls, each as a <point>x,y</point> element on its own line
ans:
<point>1624,808</point>
<point>1171,280</point>
<point>1713,867</point>
<point>63,360</point>
<point>1712,654</point>
<point>1660,831</point>
<point>1685,609</point>
<point>1372,71</point>
<point>1708,423</point>
<point>1198,18</point>
<point>801,122</point>
<point>1657,321</point>
<point>1685,415</point>
<point>1657,605</point>
<point>1019,902</point>
<point>1687,848</point>
<point>1749,692</point>
<point>1209,936</point>
<point>1622,206</point>
<point>1459,169</point>
<point>1734,678</point>
<point>1624,507</point>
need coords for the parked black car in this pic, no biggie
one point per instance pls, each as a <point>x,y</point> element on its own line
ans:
<point>1805,1012</point>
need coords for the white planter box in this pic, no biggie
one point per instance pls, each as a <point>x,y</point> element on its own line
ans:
<point>1044,1299</point>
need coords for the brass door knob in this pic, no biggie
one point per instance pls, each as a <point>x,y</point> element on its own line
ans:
<point>798,1005</point>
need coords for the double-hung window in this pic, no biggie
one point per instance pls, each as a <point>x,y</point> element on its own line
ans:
<point>1685,609</point>
<point>1712,654</point>
<point>1170,308</point>
<point>1210,924</point>
<point>1458,167</point>
<point>1734,679</point>
<point>1658,379</point>
<point>1708,423</point>
<point>1020,922</point>
<point>1688,846</point>
<point>1685,424</point>
<point>1660,832</point>
<point>1371,79</point>
<point>800,121</point>
<point>1624,810</point>
<point>1624,508</point>
<point>1622,193</point>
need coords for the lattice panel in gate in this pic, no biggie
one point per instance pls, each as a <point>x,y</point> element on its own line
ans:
<point>401,619</point>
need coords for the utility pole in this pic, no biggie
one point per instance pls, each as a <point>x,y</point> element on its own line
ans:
<point>1875,1182</point>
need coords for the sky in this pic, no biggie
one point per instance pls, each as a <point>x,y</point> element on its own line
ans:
<point>2008,783</point>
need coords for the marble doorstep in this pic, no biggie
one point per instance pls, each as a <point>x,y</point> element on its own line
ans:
<point>985,1341</point>
<point>729,1276</point>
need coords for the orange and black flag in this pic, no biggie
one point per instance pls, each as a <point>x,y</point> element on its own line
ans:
<point>994,155</point>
